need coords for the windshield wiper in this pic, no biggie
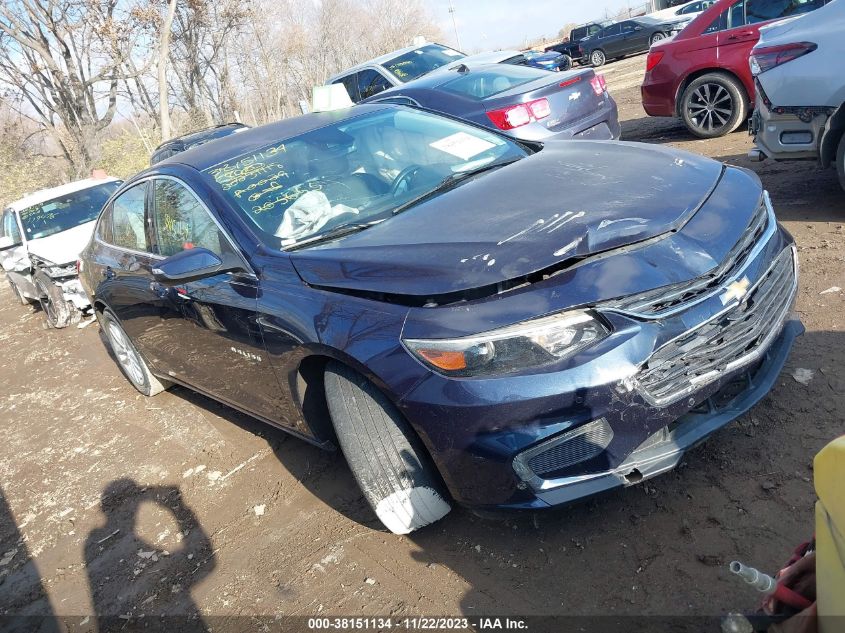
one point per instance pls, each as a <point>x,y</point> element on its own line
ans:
<point>450,181</point>
<point>334,233</point>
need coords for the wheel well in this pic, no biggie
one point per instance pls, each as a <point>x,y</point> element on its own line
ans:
<point>833,132</point>
<point>700,73</point>
<point>311,392</point>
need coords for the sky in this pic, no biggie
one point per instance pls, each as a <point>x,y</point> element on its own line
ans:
<point>494,24</point>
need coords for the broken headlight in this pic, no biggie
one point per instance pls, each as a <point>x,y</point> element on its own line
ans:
<point>524,345</point>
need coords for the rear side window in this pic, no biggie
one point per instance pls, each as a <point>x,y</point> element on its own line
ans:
<point>182,222</point>
<point>128,220</point>
<point>371,83</point>
<point>480,85</point>
<point>613,29</point>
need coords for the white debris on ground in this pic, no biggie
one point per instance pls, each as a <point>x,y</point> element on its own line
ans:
<point>802,375</point>
<point>259,510</point>
<point>831,290</point>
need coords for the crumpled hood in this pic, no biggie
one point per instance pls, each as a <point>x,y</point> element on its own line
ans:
<point>572,199</point>
<point>64,247</point>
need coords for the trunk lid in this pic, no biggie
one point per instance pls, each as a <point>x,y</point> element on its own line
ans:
<point>570,200</point>
<point>570,95</point>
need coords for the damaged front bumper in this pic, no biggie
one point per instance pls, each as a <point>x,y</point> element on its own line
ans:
<point>663,450</point>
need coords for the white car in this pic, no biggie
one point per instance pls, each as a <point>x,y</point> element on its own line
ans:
<point>41,236</point>
<point>688,11</point>
<point>800,101</point>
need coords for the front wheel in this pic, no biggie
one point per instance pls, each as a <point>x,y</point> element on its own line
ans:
<point>656,38</point>
<point>130,361</point>
<point>385,456</point>
<point>59,312</point>
<point>714,105</point>
<point>597,58</point>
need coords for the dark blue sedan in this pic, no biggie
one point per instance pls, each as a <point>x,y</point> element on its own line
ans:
<point>526,103</point>
<point>470,319</point>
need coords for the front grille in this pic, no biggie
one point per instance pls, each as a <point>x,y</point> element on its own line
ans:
<point>571,448</point>
<point>735,338</point>
<point>657,302</point>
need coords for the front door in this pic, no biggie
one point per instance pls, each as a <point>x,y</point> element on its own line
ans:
<point>211,339</point>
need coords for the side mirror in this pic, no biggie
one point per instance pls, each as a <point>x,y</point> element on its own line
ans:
<point>193,264</point>
<point>638,28</point>
<point>6,242</point>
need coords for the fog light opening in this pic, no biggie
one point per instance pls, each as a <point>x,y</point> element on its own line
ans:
<point>634,477</point>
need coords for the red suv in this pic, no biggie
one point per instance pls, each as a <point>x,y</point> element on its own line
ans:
<point>702,74</point>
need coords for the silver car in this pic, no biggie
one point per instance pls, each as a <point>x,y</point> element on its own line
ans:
<point>800,102</point>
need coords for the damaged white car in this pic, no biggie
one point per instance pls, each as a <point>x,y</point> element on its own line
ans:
<point>41,236</point>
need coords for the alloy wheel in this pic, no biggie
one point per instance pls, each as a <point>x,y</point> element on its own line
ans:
<point>47,305</point>
<point>597,58</point>
<point>657,37</point>
<point>710,107</point>
<point>126,354</point>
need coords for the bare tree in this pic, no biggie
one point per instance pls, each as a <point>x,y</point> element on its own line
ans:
<point>163,59</point>
<point>63,61</point>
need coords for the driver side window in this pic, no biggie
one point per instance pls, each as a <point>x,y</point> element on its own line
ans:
<point>181,221</point>
<point>9,227</point>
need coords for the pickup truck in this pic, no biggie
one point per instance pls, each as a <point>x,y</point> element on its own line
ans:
<point>571,47</point>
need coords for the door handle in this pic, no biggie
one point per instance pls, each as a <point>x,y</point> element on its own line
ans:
<point>741,34</point>
<point>108,272</point>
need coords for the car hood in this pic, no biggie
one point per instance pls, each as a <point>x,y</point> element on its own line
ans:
<point>64,247</point>
<point>567,201</point>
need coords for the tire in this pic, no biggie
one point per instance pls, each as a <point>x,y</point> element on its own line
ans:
<point>384,454</point>
<point>59,312</point>
<point>714,105</point>
<point>565,64</point>
<point>656,37</point>
<point>19,295</point>
<point>840,160</point>
<point>129,359</point>
<point>597,58</point>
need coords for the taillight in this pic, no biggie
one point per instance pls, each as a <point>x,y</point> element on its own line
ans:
<point>653,59</point>
<point>766,58</point>
<point>519,115</point>
<point>599,84</point>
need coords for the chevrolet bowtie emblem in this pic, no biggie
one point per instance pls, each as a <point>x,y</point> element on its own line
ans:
<point>735,290</point>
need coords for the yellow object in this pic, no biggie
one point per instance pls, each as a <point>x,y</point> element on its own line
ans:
<point>829,468</point>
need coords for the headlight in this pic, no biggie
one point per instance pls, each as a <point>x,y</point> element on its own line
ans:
<point>524,345</point>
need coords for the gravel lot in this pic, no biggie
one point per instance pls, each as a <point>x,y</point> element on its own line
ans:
<point>120,505</point>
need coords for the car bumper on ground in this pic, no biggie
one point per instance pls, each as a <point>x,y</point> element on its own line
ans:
<point>786,135</point>
<point>657,386</point>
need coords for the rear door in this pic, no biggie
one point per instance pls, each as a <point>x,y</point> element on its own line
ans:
<point>742,22</point>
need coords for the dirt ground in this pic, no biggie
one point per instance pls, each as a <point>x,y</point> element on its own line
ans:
<point>114,504</point>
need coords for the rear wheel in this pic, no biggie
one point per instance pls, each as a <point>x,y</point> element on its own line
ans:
<point>656,38</point>
<point>59,312</point>
<point>840,161</point>
<point>714,105</point>
<point>130,361</point>
<point>597,58</point>
<point>384,454</point>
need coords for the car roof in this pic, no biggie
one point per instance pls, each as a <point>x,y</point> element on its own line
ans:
<point>254,139</point>
<point>43,195</point>
<point>381,59</point>
<point>192,137</point>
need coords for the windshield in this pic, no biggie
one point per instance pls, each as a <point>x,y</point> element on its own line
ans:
<point>65,212</point>
<point>420,61</point>
<point>357,171</point>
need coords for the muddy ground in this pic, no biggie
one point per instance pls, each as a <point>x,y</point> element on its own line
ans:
<point>116,504</point>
